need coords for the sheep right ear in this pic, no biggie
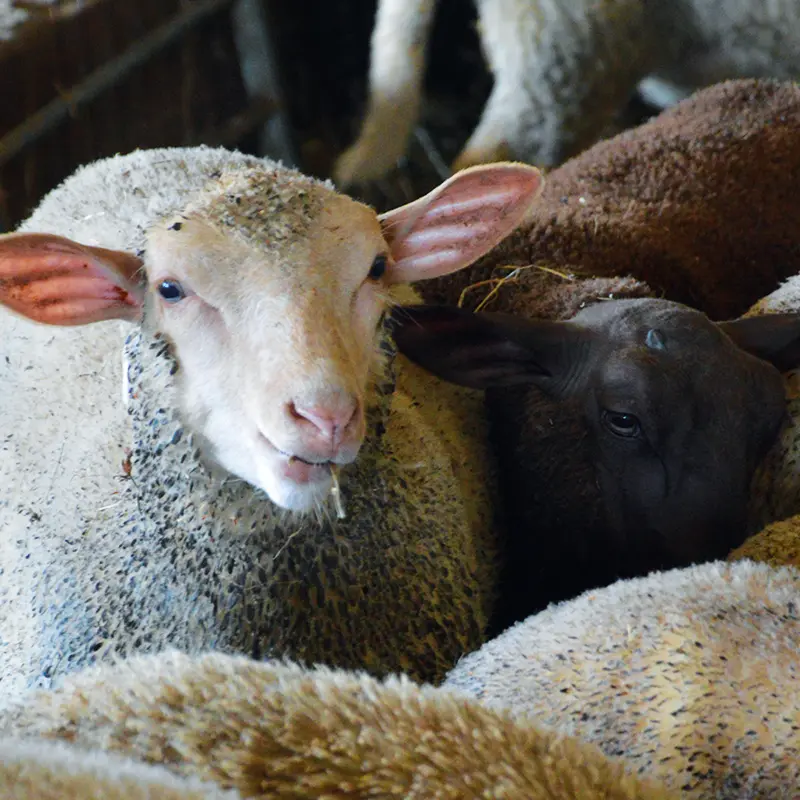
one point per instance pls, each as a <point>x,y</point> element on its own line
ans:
<point>485,350</point>
<point>459,221</point>
<point>56,281</point>
<point>771,337</point>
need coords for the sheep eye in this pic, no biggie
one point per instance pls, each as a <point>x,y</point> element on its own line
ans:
<point>378,268</point>
<point>621,424</point>
<point>171,291</point>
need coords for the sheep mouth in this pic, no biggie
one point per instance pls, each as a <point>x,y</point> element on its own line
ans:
<point>316,467</point>
<point>293,458</point>
<point>301,471</point>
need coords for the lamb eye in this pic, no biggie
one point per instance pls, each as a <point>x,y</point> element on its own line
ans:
<point>171,291</point>
<point>621,424</point>
<point>378,268</point>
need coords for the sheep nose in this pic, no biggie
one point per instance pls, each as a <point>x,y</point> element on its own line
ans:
<point>330,420</point>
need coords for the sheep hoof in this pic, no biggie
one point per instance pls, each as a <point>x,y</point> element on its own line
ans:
<point>367,160</point>
<point>470,156</point>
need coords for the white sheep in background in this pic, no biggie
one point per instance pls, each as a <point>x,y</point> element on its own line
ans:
<point>261,364</point>
<point>691,677</point>
<point>10,18</point>
<point>563,68</point>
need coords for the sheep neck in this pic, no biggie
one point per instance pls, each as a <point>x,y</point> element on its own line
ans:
<point>167,460</point>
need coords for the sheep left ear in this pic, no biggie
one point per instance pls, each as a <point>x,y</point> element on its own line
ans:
<point>57,281</point>
<point>460,220</point>
<point>772,337</point>
<point>486,350</point>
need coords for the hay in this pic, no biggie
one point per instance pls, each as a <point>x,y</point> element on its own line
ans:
<point>336,494</point>
<point>511,277</point>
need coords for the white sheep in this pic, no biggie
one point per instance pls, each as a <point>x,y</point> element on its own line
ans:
<point>276,730</point>
<point>562,70</point>
<point>36,770</point>
<point>692,677</point>
<point>261,365</point>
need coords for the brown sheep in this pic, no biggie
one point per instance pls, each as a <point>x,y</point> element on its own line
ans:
<point>701,204</point>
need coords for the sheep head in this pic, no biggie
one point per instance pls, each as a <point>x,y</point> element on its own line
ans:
<point>628,435</point>
<point>271,288</point>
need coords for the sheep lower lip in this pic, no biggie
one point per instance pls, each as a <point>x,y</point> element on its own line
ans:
<point>299,471</point>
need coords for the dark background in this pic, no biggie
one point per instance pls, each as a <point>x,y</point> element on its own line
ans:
<point>191,91</point>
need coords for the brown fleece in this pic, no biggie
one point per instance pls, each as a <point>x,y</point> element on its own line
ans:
<point>702,203</point>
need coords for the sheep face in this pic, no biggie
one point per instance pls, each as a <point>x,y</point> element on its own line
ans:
<point>633,445</point>
<point>276,340</point>
<point>270,288</point>
<point>677,416</point>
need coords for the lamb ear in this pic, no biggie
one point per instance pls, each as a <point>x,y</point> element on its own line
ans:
<point>773,337</point>
<point>57,281</point>
<point>460,220</point>
<point>484,350</point>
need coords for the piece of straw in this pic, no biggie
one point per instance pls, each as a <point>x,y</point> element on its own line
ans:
<point>336,493</point>
<point>511,277</point>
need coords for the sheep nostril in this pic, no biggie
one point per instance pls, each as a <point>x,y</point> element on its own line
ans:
<point>331,420</point>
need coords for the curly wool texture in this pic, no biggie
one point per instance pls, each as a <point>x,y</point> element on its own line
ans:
<point>99,562</point>
<point>778,544</point>
<point>271,730</point>
<point>701,204</point>
<point>690,676</point>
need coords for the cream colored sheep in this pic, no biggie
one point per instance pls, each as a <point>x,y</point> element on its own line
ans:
<point>261,364</point>
<point>691,676</point>
<point>562,70</point>
<point>276,730</point>
<point>687,678</point>
<point>35,770</point>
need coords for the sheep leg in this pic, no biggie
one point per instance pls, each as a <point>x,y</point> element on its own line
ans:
<point>561,72</point>
<point>397,64</point>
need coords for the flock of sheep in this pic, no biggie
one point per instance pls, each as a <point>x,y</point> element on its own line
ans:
<point>245,419</point>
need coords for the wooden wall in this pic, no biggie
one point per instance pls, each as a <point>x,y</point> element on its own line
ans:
<point>177,96</point>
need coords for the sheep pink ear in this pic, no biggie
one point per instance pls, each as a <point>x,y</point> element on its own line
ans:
<point>460,220</point>
<point>57,281</point>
